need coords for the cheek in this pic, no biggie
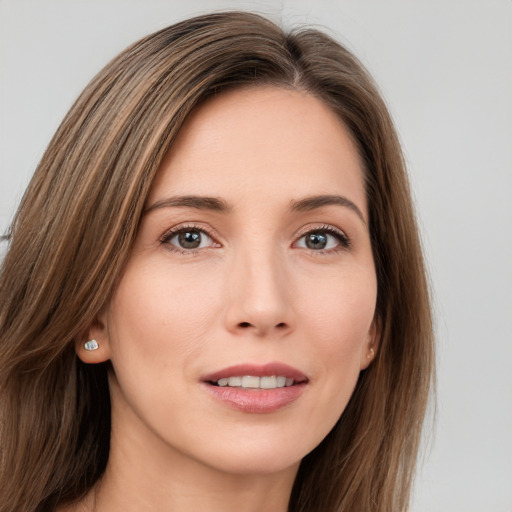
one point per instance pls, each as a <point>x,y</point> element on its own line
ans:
<point>159,319</point>
<point>341,312</point>
<point>340,318</point>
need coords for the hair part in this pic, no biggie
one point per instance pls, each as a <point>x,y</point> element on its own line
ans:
<point>76,224</point>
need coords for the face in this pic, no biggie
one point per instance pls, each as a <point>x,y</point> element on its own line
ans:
<point>245,313</point>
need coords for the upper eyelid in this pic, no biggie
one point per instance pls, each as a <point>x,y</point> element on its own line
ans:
<point>169,233</point>
<point>321,227</point>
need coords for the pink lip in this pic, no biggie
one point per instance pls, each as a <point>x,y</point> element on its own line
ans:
<point>257,371</point>
<point>257,400</point>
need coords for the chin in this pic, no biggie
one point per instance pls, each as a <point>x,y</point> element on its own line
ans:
<point>263,456</point>
<point>263,464</point>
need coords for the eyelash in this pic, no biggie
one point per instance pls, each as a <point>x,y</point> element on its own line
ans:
<point>169,235</point>
<point>343,240</point>
<point>340,236</point>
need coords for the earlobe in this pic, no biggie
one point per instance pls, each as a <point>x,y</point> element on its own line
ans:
<point>367,355</point>
<point>370,348</point>
<point>94,346</point>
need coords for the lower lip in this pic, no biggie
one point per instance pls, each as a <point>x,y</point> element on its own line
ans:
<point>257,401</point>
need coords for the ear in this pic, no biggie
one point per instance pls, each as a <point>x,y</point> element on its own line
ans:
<point>93,347</point>
<point>371,344</point>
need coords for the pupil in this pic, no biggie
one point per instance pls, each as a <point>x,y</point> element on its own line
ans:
<point>316,241</point>
<point>189,239</point>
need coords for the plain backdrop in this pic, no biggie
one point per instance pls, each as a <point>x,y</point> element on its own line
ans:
<point>445,69</point>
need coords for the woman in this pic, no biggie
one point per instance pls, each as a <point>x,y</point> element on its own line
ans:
<point>214,295</point>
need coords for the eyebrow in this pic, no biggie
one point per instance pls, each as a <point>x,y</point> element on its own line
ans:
<point>198,202</point>
<point>220,205</point>
<point>314,202</point>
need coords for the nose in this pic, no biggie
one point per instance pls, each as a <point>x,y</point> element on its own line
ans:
<point>259,295</point>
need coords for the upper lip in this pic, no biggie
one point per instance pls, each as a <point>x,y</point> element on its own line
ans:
<point>268,369</point>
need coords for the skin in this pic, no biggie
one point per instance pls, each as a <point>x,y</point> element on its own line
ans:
<point>253,292</point>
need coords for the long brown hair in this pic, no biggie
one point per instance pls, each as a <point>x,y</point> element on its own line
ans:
<point>76,224</point>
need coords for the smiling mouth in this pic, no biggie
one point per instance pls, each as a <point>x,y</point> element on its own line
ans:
<point>255,382</point>
<point>256,389</point>
<point>272,375</point>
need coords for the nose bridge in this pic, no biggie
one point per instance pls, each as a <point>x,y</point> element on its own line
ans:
<point>259,299</point>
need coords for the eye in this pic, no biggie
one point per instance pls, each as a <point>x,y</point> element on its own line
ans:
<point>188,239</point>
<point>323,239</point>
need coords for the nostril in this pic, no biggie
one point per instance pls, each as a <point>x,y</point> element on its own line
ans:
<point>246,325</point>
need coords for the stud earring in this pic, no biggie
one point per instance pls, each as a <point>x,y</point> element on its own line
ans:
<point>91,345</point>
<point>371,354</point>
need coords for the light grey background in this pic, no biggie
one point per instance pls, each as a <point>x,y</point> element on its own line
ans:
<point>445,68</point>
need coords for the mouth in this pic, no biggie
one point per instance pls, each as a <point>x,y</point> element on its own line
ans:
<point>256,388</point>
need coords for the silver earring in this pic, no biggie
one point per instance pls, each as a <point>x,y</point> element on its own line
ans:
<point>91,345</point>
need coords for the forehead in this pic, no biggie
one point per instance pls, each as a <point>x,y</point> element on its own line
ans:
<point>262,143</point>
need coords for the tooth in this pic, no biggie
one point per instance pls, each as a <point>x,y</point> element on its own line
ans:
<point>248,381</point>
<point>235,381</point>
<point>268,382</point>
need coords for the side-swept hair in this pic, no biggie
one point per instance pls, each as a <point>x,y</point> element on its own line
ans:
<point>76,224</point>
